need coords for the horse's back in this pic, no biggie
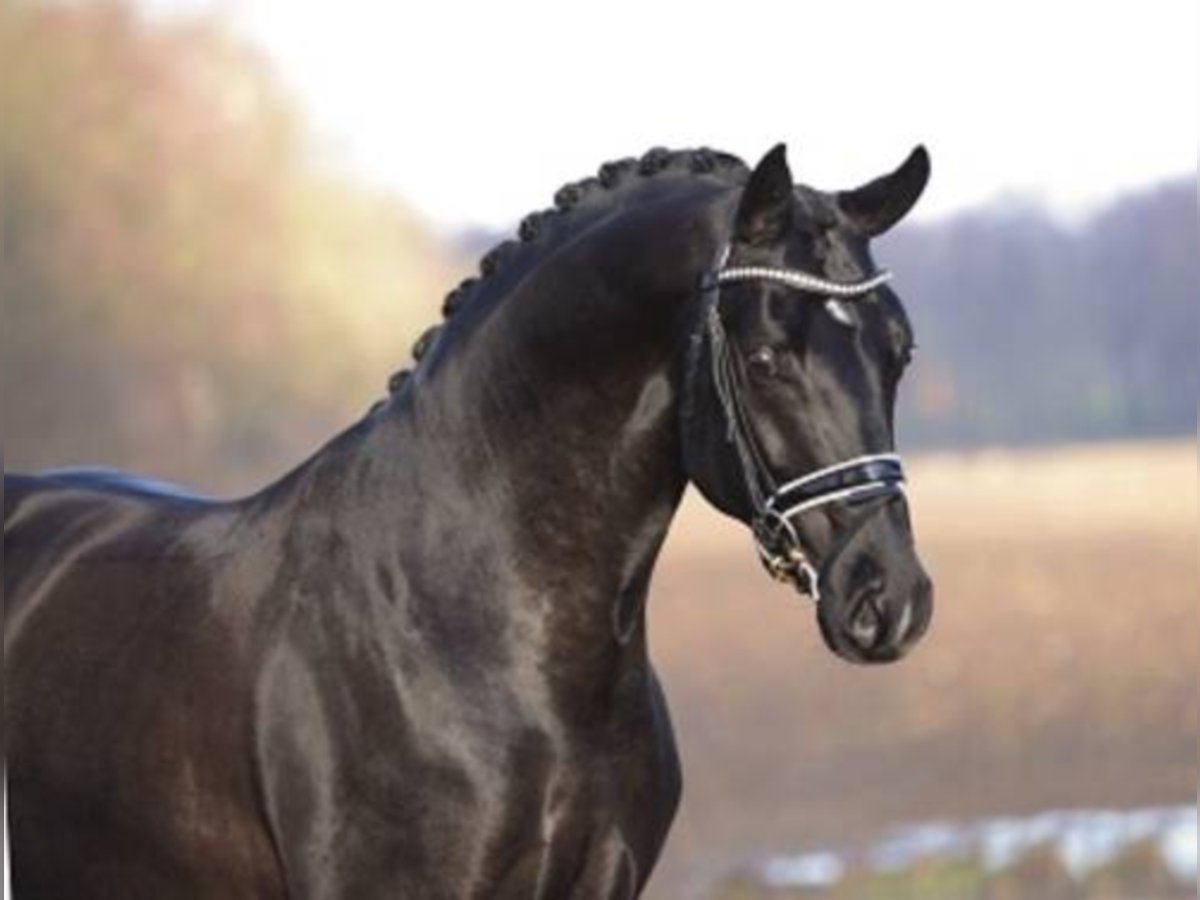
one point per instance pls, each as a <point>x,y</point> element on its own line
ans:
<point>115,481</point>
<point>27,496</point>
<point>54,518</point>
<point>99,565</point>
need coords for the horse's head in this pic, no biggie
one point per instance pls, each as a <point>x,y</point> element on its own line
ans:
<point>792,377</point>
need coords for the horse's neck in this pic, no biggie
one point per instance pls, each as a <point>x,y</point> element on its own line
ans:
<point>533,463</point>
<point>566,434</point>
<point>556,408</point>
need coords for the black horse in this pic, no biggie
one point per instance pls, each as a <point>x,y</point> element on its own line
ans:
<point>417,666</point>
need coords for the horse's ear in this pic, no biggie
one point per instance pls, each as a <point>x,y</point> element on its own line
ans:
<point>765,212</point>
<point>878,205</point>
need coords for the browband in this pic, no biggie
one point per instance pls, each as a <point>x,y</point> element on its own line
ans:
<point>804,281</point>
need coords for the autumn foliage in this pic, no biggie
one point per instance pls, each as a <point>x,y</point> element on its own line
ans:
<point>188,290</point>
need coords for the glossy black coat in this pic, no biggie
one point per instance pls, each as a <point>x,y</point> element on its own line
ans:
<point>417,665</point>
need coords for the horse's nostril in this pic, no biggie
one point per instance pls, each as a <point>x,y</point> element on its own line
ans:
<point>867,623</point>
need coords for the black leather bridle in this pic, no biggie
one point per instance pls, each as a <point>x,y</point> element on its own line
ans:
<point>876,476</point>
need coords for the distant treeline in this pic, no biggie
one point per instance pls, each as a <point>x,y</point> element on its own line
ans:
<point>1030,331</point>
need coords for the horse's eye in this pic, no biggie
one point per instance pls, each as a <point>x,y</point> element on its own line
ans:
<point>761,361</point>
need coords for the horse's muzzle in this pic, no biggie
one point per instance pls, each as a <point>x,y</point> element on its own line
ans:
<point>879,618</point>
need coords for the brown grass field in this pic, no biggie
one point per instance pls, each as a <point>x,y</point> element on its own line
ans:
<point>1061,669</point>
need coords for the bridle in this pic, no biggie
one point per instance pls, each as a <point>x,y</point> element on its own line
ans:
<point>875,476</point>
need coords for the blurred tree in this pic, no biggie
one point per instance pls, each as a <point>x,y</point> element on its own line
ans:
<point>186,290</point>
<point>1034,332</point>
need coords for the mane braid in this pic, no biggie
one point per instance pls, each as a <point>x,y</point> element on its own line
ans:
<point>610,178</point>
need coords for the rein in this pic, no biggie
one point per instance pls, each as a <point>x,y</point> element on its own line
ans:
<point>876,476</point>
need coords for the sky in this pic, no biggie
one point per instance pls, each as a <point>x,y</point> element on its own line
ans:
<point>476,112</point>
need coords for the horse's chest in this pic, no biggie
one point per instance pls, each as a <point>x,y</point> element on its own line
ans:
<point>588,822</point>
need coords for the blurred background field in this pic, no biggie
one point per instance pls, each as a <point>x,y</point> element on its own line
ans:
<point>194,289</point>
<point>1061,672</point>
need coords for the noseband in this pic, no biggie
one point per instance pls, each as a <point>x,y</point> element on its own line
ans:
<point>853,482</point>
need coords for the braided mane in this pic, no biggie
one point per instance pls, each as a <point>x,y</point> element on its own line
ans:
<point>538,228</point>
